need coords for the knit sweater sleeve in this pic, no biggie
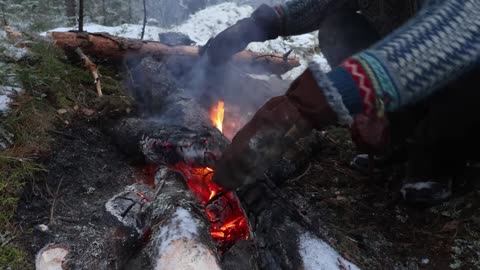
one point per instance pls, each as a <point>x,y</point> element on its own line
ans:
<point>304,16</point>
<point>437,46</point>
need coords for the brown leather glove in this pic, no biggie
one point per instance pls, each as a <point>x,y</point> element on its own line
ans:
<point>264,24</point>
<point>274,128</point>
<point>370,133</point>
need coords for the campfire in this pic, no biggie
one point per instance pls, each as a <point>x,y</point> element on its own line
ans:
<point>174,216</point>
<point>228,222</point>
<point>217,114</point>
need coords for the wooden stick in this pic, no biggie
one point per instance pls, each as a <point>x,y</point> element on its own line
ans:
<point>93,69</point>
<point>14,36</point>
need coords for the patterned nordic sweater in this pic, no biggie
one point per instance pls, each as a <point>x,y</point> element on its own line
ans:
<point>436,46</point>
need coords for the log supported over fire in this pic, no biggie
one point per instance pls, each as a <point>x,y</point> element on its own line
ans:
<point>107,46</point>
<point>181,219</point>
<point>177,226</point>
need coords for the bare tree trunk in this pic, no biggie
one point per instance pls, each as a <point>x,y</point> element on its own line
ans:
<point>70,10</point>
<point>130,15</point>
<point>104,12</point>
<point>144,18</point>
<point>80,16</point>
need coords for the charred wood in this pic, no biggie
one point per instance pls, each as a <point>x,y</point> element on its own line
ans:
<point>160,143</point>
<point>178,228</point>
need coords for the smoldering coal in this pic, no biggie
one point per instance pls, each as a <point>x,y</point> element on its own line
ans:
<point>153,141</point>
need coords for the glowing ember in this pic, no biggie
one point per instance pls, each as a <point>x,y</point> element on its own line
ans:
<point>216,115</point>
<point>222,208</point>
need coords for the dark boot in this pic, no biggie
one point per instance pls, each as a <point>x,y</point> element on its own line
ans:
<point>445,138</point>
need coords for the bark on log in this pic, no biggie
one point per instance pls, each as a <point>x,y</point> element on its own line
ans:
<point>179,229</point>
<point>160,143</point>
<point>107,46</point>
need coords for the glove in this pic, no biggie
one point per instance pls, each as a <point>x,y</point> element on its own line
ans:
<point>280,123</point>
<point>370,133</point>
<point>264,24</point>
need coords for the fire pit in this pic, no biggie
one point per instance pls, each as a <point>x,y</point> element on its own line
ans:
<point>175,216</point>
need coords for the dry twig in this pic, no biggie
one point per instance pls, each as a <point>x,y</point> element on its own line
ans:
<point>52,209</point>
<point>93,69</point>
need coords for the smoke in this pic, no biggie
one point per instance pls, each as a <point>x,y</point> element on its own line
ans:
<point>206,84</point>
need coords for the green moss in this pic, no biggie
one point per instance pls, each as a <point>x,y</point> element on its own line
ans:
<point>13,257</point>
<point>50,82</point>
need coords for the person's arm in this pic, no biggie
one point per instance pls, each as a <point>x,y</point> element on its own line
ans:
<point>266,23</point>
<point>434,48</point>
<point>304,16</point>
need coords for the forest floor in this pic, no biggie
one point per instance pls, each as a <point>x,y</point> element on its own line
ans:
<point>61,168</point>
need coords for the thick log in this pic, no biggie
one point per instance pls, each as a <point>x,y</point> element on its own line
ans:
<point>176,127</point>
<point>160,143</point>
<point>179,229</point>
<point>107,46</point>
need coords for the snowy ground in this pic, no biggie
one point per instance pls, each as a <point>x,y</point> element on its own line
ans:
<point>8,83</point>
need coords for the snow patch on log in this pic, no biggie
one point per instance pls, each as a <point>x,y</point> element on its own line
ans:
<point>178,245</point>
<point>51,258</point>
<point>318,255</point>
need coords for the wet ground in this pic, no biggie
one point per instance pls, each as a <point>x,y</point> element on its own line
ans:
<point>84,171</point>
<point>365,219</point>
<point>360,216</point>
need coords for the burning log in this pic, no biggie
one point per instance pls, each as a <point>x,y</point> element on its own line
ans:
<point>106,46</point>
<point>158,143</point>
<point>176,129</point>
<point>177,133</point>
<point>177,225</point>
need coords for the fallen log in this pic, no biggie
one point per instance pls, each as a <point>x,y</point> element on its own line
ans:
<point>106,46</point>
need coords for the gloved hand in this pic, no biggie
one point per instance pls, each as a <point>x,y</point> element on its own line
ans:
<point>273,129</point>
<point>264,24</point>
<point>370,134</point>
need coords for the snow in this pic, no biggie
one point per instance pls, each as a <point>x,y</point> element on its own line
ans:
<point>207,23</point>
<point>5,93</point>
<point>178,246</point>
<point>318,255</point>
<point>51,258</point>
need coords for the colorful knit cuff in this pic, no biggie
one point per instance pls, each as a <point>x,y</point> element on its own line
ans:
<point>333,94</point>
<point>357,74</point>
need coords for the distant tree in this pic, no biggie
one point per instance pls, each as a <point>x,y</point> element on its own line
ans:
<point>80,16</point>
<point>144,18</point>
<point>70,10</point>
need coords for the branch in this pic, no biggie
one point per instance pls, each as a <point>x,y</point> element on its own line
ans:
<point>93,69</point>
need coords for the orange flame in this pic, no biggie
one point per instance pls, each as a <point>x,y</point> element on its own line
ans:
<point>228,222</point>
<point>216,115</point>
